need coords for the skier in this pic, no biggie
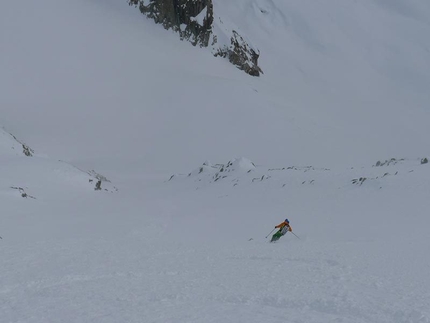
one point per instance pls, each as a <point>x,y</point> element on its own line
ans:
<point>284,227</point>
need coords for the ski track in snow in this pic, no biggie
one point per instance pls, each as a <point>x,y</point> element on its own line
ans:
<point>302,283</point>
<point>173,264</point>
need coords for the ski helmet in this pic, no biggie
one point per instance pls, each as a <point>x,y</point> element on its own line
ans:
<point>286,220</point>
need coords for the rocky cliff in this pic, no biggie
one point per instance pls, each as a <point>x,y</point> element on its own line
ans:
<point>194,21</point>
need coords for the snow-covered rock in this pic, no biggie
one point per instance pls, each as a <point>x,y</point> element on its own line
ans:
<point>198,22</point>
<point>236,166</point>
<point>10,145</point>
<point>242,171</point>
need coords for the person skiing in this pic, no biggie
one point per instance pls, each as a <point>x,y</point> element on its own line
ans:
<point>283,227</point>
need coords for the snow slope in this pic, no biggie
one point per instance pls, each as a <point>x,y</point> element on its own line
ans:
<point>180,250</point>
<point>98,86</point>
<point>107,78</point>
<point>25,174</point>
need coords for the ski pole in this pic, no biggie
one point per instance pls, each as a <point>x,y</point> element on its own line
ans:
<point>270,232</point>
<point>295,235</point>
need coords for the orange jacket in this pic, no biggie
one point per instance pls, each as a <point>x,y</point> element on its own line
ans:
<point>283,224</point>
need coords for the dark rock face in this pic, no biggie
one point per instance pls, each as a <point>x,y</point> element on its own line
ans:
<point>98,186</point>
<point>174,13</point>
<point>181,16</point>
<point>27,150</point>
<point>241,55</point>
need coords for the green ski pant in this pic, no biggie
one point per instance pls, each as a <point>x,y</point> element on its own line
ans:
<point>277,236</point>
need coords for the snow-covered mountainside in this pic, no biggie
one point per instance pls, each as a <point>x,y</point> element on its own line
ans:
<point>334,136</point>
<point>40,176</point>
<point>345,83</point>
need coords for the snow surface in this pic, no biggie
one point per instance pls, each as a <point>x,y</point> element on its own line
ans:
<point>98,86</point>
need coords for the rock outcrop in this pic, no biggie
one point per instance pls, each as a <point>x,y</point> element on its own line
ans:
<point>241,55</point>
<point>10,144</point>
<point>180,15</point>
<point>194,21</point>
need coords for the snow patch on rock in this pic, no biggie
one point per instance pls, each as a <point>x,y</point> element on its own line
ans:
<point>242,171</point>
